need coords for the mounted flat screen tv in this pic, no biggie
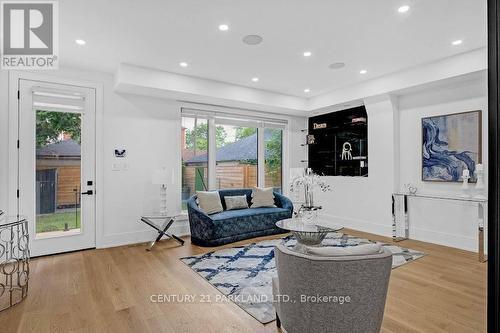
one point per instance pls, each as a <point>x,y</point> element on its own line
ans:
<point>338,143</point>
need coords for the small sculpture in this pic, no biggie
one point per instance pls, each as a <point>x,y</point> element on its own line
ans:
<point>465,183</point>
<point>412,189</point>
<point>346,151</point>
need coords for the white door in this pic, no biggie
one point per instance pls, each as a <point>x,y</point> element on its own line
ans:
<point>57,165</point>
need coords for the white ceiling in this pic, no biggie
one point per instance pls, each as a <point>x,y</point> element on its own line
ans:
<point>365,34</point>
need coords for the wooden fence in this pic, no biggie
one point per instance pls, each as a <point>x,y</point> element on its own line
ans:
<point>228,175</point>
<point>67,184</point>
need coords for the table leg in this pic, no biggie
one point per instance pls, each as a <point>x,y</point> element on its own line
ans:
<point>180,241</point>
<point>481,213</point>
<point>399,213</point>
<point>162,232</point>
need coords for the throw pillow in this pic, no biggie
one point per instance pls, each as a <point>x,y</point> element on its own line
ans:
<point>209,202</point>
<point>236,202</point>
<point>262,197</point>
<point>335,251</point>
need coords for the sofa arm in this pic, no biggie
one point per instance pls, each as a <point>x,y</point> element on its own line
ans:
<point>200,223</point>
<point>283,202</point>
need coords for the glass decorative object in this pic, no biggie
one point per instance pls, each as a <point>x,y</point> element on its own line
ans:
<point>308,181</point>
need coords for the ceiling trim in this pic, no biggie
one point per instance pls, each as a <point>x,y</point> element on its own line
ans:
<point>156,83</point>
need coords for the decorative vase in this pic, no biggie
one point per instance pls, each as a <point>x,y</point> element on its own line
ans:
<point>307,181</point>
<point>309,196</point>
<point>479,189</point>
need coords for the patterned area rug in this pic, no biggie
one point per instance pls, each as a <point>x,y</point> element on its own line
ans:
<point>244,273</point>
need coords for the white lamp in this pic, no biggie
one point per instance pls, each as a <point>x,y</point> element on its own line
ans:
<point>162,177</point>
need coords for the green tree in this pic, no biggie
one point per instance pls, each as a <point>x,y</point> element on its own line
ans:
<point>50,125</point>
<point>200,132</point>
<point>243,132</point>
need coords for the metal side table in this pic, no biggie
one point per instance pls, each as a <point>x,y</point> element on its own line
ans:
<point>14,260</point>
<point>161,227</point>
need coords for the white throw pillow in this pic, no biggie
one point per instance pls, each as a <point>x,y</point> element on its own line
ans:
<point>262,197</point>
<point>236,202</point>
<point>336,251</point>
<point>209,202</point>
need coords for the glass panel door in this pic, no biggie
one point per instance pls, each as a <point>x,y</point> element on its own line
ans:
<point>194,150</point>
<point>57,165</point>
<point>273,151</point>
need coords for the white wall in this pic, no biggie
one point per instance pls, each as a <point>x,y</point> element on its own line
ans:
<point>443,222</point>
<point>149,128</point>
<point>4,135</point>
<point>364,203</point>
<point>394,148</point>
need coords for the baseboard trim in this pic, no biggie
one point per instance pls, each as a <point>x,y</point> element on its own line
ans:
<point>424,235</point>
<point>441,238</point>
<point>179,228</point>
<point>361,225</point>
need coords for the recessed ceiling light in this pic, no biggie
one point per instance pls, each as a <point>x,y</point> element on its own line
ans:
<point>336,65</point>
<point>223,27</point>
<point>252,39</point>
<point>404,9</point>
<point>80,41</point>
<point>183,64</point>
<point>457,42</point>
<point>307,90</point>
<point>307,53</point>
<point>255,79</point>
<point>363,71</point>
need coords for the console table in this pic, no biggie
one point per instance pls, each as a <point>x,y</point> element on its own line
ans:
<point>14,260</point>
<point>401,222</point>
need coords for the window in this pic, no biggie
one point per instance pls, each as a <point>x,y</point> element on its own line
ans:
<point>236,157</point>
<point>222,151</point>
<point>58,171</point>
<point>273,145</point>
<point>194,150</point>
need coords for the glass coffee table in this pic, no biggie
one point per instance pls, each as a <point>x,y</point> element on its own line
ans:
<point>307,233</point>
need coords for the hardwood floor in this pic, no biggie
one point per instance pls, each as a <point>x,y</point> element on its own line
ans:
<point>109,290</point>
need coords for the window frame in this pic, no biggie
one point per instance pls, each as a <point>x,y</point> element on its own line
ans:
<point>215,118</point>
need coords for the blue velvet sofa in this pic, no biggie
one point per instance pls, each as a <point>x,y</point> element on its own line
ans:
<point>233,225</point>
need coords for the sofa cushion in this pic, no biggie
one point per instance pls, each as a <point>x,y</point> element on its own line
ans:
<point>245,213</point>
<point>234,222</point>
<point>209,202</point>
<point>236,202</point>
<point>231,192</point>
<point>335,251</point>
<point>262,197</point>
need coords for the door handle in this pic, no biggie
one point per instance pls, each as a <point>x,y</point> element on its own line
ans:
<point>89,192</point>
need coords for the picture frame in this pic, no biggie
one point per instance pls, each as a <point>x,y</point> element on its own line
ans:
<point>451,143</point>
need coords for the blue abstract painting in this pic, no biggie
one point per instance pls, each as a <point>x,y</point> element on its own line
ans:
<point>450,144</point>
